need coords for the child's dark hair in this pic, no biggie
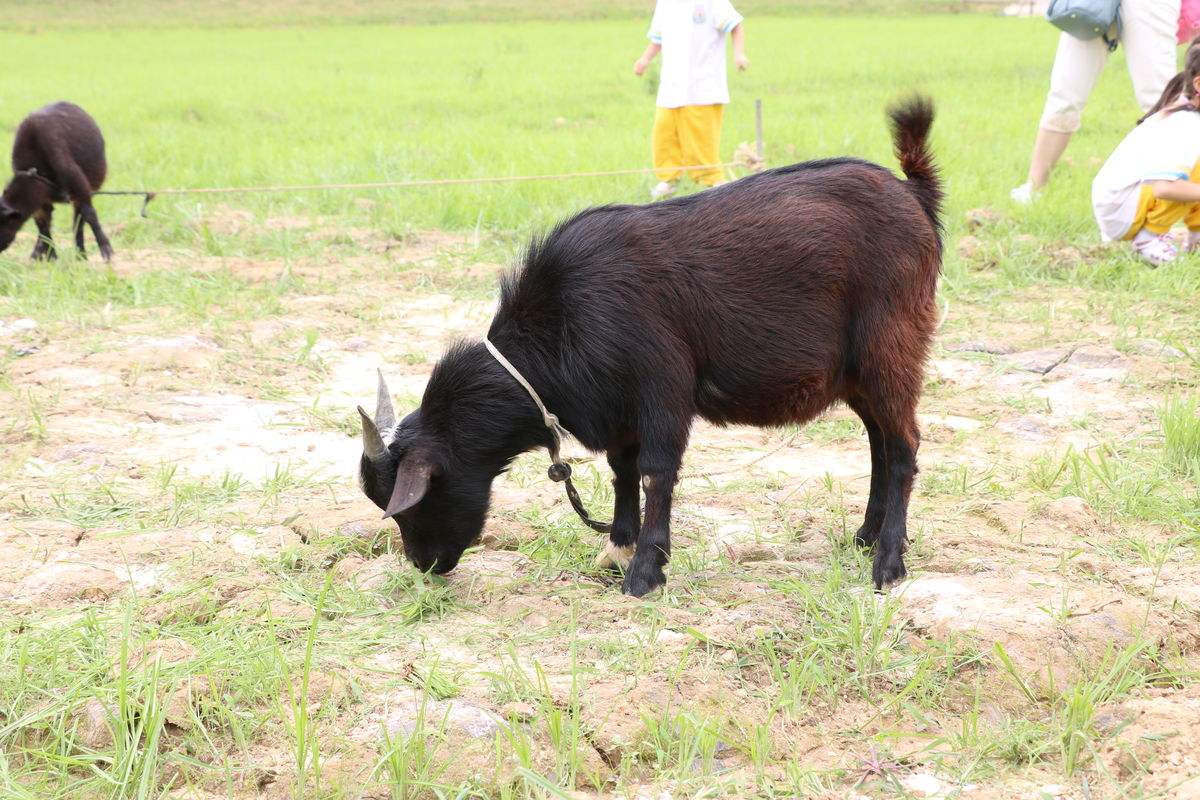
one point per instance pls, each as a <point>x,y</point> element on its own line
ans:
<point>1184,83</point>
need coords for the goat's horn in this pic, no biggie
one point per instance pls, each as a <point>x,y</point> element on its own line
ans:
<point>373,447</point>
<point>385,417</point>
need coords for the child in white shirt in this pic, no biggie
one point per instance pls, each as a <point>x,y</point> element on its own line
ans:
<point>692,90</point>
<point>1152,180</point>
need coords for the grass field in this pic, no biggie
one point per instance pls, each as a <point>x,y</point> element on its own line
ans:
<point>201,604</point>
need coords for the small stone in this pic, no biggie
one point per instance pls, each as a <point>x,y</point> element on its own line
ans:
<point>1053,790</point>
<point>356,344</point>
<point>749,552</point>
<point>519,712</point>
<point>922,784</point>
<point>968,247</point>
<point>185,698</point>
<point>1040,361</point>
<point>324,688</point>
<point>979,346</point>
<point>979,217</point>
<point>91,725</point>
<point>1153,347</point>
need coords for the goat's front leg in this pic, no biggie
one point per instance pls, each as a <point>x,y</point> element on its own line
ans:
<point>44,249</point>
<point>627,515</point>
<point>645,573</point>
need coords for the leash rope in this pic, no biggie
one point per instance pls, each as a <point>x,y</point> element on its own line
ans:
<point>750,163</point>
<point>560,471</point>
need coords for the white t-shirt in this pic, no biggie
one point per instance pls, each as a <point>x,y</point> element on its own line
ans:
<point>1163,148</point>
<point>692,35</point>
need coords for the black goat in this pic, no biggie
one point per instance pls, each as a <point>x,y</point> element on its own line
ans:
<point>58,157</point>
<point>761,302</point>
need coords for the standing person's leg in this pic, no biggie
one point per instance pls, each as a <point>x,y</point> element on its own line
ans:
<point>1149,40</point>
<point>700,133</point>
<point>1077,66</point>
<point>666,151</point>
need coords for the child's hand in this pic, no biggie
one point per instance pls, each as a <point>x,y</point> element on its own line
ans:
<point>740,59</point>
<point>639,66</point>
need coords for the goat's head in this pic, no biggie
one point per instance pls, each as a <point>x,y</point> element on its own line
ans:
<point>406,469</point>
<point>25,193</point>
<point>11,220</point>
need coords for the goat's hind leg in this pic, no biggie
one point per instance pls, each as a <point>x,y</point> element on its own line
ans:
<point>627,514</point>
<point>902,438</point>
<point>868,533</point>
<point>86,211</point>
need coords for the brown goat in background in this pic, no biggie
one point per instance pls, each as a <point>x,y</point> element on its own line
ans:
<point>58,157</point>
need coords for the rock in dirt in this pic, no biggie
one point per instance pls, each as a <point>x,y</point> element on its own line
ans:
<point>1040,361</point>
<point>977,218</point>
<point>400,711</point>
<point>324,689</point>
<point>163,652</point>
<point>981,346</point>
<point>184,703</point>
<point>1155,348</point>
<point>1030,428</point>
<point>64,581</point>
<point>1073,511</point>
<point>968,247</point>
<point>91,725</point>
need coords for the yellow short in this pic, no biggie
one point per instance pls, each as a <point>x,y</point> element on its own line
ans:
<point>1159,216</point>
<point>688,136</point>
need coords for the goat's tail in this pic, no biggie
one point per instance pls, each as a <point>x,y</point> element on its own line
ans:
<point>910,121</point>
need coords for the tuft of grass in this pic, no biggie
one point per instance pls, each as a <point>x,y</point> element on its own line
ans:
<point>1179,420</point>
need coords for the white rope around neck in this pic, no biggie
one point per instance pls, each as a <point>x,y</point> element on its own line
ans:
<point>550,420</point>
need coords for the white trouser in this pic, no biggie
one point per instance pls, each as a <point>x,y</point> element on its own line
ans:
<point>1148,36</point>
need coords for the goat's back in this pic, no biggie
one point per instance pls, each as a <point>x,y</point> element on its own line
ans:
<point>763,292</point>
<point>57,134</point>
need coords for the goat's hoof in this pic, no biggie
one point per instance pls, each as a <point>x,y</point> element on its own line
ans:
<point>887,569</point>
<point>615,556</point>
<point>640,582</point>
<point>106,253</point>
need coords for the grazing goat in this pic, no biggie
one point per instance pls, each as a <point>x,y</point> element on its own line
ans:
<point>58,157</point>
<point>760,302</point>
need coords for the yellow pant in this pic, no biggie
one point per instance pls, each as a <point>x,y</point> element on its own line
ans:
<point>1159,216</point>
<point>688,136</point>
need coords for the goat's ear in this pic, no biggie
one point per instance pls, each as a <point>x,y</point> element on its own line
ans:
<point>412,481</point>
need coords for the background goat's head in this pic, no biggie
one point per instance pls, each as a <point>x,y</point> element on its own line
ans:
<point>406,470</point>
<point>23,195</point>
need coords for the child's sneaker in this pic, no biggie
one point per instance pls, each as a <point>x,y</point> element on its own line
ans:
<point>1155,248</point>
<point>663,189</point>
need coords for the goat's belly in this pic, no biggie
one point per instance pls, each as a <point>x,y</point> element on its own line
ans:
<point>774,403</point>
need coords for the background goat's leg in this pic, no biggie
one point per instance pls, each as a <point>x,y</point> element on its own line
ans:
<point>88,213</point>
<point>77,225</point>
<point>45,244</point>
<point>868,534</point>
<point>627,515</point>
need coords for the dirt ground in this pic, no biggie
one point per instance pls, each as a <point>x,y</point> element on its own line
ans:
<point>996,567</point>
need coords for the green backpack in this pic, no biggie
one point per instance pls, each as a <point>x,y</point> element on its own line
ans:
<point>1087,19</point>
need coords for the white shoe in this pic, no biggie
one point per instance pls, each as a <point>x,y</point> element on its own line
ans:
<point>1023,194</point>
<point>1158,249</point>
<point>663,189</point>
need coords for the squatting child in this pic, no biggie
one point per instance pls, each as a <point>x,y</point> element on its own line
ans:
<point>692,90</point>
<point>1152,180</point>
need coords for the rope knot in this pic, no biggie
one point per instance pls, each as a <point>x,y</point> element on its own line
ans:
<point>559,472</point>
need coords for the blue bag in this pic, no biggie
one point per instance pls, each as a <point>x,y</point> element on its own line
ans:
<point>1088,19</point>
